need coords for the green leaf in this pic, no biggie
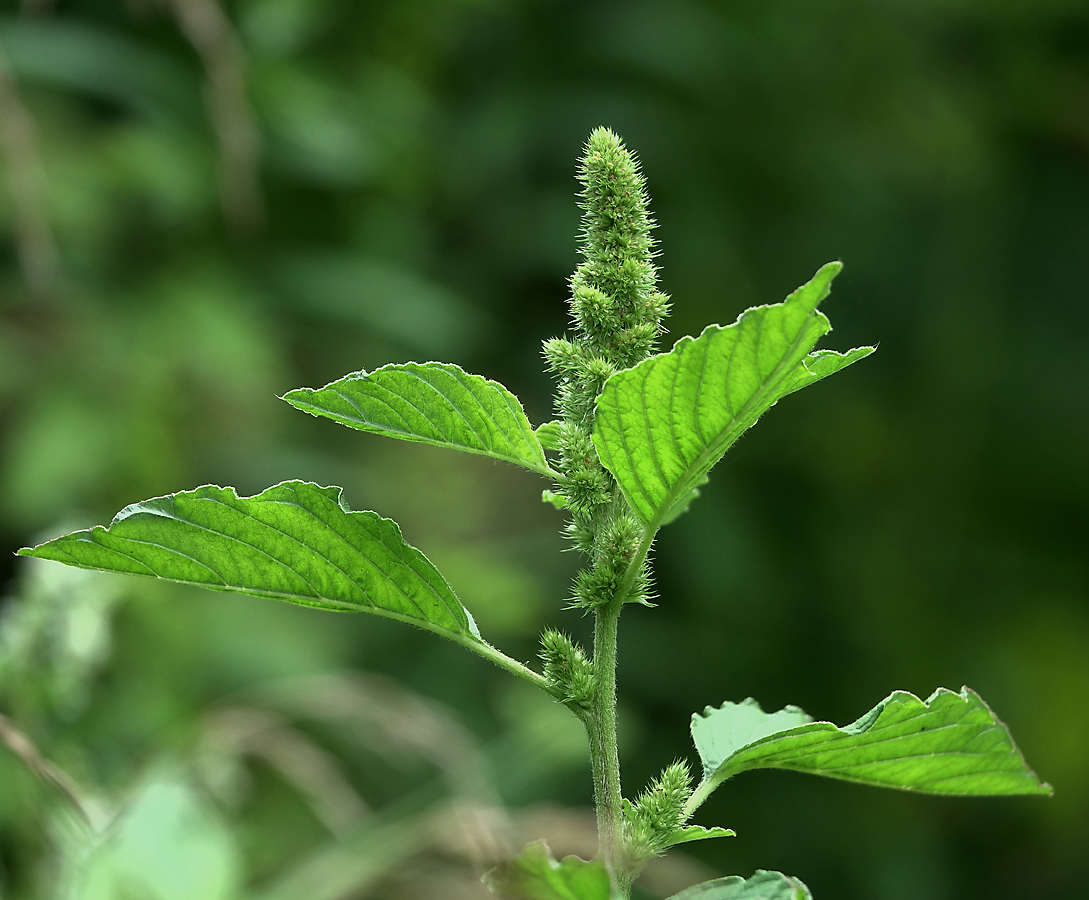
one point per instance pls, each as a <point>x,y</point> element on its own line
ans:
<point>534,875</point>
<point>662,425</point>
<point>431,403</point>
<point>688,833</point>
<point>549,435</point>
<point>296,541</point>
<point>762,886</point>
<point>557,500</point>
<point>720,733</point>
<point>951,744</point>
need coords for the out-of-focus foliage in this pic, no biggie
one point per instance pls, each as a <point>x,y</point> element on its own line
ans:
<point>203,207</point>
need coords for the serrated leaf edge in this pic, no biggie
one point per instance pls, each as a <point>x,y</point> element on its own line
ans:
<point>332,492</point>
<point>712,780</point>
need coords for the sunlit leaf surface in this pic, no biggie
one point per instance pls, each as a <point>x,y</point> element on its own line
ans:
<point>950,744</point>
<point>295,541</point>
<point>662,425</point>
<point>431,403</point>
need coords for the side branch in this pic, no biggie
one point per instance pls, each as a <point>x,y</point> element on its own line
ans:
<point>499,658</point>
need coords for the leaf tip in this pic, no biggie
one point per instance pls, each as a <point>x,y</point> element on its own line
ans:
<point>296,394</point>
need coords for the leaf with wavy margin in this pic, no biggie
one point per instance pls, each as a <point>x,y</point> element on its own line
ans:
<point>687,833</point>
<point>430,403</point>
<point>663,424</point>
<point>950,744</point>
<point>296,541</point>
<point>763,885</point>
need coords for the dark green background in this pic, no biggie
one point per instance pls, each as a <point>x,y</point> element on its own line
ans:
<point>919,520</point>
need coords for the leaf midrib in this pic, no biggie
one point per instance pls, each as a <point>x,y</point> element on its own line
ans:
<point>688,480</point>
<point>380,430</point>
<point>281,595</point>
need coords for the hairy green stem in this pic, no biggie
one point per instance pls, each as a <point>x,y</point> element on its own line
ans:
<point>695,801</point>
<point>601,727</point>
<point>497,656</point>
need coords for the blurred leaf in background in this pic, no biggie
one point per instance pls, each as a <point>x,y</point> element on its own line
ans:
<point>204,205</point>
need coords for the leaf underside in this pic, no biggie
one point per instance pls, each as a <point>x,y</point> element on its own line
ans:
<point>430,403</point>
<point>763,885</point>
<point>662,425</point>
<point>296,541</point>
<point>950,744</point>
<point>534,875</point>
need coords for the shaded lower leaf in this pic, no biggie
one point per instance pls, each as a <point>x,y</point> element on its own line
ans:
<point>534,875</point>
<point>950,744</point>
<point>295,541</point>
<point>763,885</point>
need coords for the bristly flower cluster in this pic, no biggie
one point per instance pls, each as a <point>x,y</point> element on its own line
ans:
<point>617,312</point>
<point>651,822</point>
<point>568,672</point>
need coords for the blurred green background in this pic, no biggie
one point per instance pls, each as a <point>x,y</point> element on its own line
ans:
<point>204,206</point>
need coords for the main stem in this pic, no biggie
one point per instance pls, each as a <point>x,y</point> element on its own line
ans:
<point>603,745</point>
<point>617,312</point>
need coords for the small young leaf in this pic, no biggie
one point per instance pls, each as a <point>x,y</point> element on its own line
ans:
<point>534,875</point>
<point>662,425</point>
<point>430,403</point>
<point>951,744</point>
<point>557,500</point>
<point>762,886</point>
<point>549,435</point>
<point>698,833</point>
<point>296,541</point>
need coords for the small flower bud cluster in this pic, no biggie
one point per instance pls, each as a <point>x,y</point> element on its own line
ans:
<point>616,311</point>
<point>616,544</point>
<point>567,670</point>
<point>651,822</point>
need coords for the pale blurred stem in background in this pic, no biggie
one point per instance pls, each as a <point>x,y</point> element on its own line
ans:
<point>18,147</point>
<point>209,30</point>
<point>19,744</point>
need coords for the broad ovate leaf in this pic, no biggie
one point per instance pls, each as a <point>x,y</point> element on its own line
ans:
<point>663,424</point>
<point>295,541</point>
<point>534,875</point>
<point>950,744</point>
<point>763,885</point>
<point>430,403</point>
